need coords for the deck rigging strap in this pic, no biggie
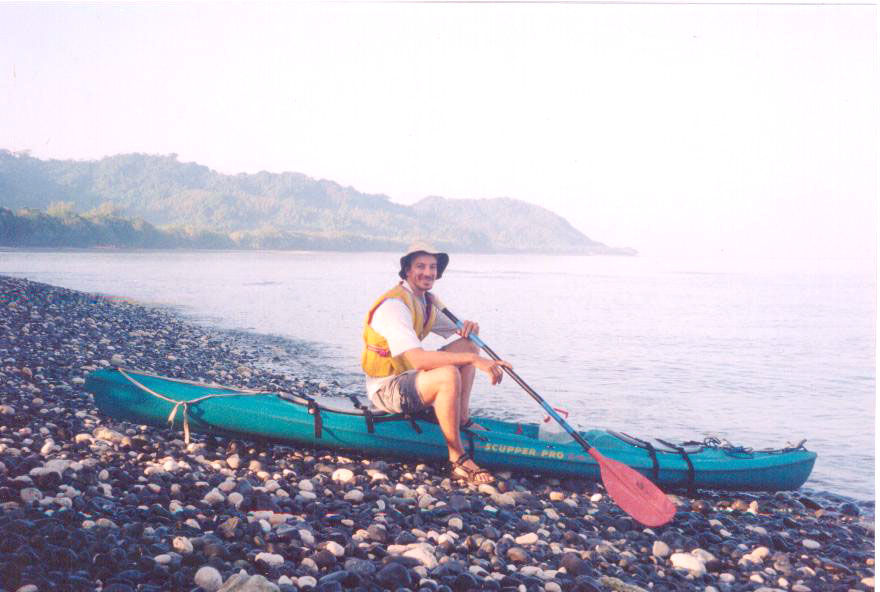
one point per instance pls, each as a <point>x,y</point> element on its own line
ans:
<point>315,410</point>
<point>652,452</point>
<point>185,404</point>
<point>368,417</point>
<point>413,424</point>
<point>684,454</point>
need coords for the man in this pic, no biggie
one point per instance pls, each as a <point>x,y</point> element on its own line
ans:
<point>402,377</point>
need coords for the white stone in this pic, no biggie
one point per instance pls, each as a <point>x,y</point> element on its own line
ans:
<point>103,433</point>
<point>335,548</point>
<point>235,498</point>
<point>306,485</point>
<point>182,545</point>
<point>306,582</point>
<point>307,537</point>
<point>426,501</point>
<point>343,476</point>
<point>285,581</point>
<point>478,571</point>
<point>504,499</point>
<point>811,544</point>
<point>487,488</point>
<point>56,465</point>
<point>552,587</point>
<point>527,539</point>
<point>163,559</point>
<point>761,552</point>
<point>270,559</point>
<point>424,553</point>
<point>355,496</point>
<point>214,497</point>
<point>30,494</point>
<point>688,562</point>
<point>227,486</point>
<point>660,549</point>
<point>48,446</point>
<point>727,578</point>
<point>208,579</point>
<point>306,495</point>
<point>596,497</point>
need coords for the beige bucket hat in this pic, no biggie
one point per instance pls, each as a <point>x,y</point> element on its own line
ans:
<point>420,247</point>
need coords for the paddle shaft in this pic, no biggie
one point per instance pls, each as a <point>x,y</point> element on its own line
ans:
<point>550,411</point>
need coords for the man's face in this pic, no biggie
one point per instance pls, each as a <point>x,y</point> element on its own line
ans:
<point>422,272</point>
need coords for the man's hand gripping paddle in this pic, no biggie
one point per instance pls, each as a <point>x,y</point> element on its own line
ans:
<point>629,489</point>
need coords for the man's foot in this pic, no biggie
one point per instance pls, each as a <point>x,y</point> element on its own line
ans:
<point>465,469</point>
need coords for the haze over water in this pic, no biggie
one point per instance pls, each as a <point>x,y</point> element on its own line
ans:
<point>758,352</point>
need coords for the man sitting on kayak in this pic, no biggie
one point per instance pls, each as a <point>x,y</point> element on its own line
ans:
<point>402,377</point>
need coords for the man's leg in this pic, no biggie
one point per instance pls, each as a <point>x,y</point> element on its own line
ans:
<point>442,389</point>
<point>467,375</point>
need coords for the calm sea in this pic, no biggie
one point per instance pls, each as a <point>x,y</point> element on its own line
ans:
<point>758,352</point>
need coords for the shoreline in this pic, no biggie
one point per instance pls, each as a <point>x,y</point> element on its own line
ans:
<point>89,503</point>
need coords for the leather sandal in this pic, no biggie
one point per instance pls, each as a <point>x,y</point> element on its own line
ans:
<point>471,476</point>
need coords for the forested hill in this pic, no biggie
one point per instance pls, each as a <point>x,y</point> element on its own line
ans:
<point>139,200</point>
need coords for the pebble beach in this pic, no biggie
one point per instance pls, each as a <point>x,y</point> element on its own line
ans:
<point>91,503</point>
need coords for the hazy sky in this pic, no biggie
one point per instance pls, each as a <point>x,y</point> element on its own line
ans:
<point>738,129</point>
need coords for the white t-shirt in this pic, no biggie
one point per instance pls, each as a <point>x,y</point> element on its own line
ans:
<point>393,321</point>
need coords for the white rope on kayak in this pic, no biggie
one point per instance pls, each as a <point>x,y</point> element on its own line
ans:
<point>195,383</point>
<point>185,404</point>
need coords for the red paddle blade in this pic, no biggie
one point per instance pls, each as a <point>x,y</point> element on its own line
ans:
<point>633,492</point>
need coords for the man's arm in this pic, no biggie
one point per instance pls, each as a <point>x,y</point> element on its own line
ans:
<point>421,359</point>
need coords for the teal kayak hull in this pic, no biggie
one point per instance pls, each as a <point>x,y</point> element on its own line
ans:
<point>334,422</point>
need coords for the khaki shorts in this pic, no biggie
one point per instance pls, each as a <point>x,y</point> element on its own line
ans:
<point>400,395</point>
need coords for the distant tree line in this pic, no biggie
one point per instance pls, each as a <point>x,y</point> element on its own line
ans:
<point>149,201</point>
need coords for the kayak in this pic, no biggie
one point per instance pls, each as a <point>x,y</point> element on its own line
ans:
<point>349,424</point>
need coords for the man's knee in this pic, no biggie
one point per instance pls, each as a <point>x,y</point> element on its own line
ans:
<point>462,345</point>
<point>449,376</point>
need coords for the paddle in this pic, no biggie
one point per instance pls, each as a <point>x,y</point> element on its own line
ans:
<point>630,490</point>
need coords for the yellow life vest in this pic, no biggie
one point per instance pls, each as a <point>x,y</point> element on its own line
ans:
<point>376,359</point>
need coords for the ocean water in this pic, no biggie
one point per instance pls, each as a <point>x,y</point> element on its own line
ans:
<point>760,353</point>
